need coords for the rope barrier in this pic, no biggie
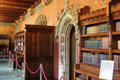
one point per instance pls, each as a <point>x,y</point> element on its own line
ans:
<point>29,68</point>
<point>32,71</point>
<point>44,74</point>
<point>18,64</point>
<point>61,78</point>
<point>14,58</point>
<point>26,66</point>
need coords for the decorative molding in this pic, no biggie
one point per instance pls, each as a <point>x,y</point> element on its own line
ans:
<point>37,8</point>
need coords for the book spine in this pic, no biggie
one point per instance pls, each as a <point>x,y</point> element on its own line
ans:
<point>117,26</point>
<point>84,30</point>
<point>118,44</point>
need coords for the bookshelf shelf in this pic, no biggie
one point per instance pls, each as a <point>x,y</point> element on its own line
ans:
<point>116,51</point>
<point>116,33</point>
<point>95,50</point>
<point>95,34</point>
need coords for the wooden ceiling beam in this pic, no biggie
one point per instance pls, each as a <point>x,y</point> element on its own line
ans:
<point>10,12</point>
<point>7,18</point>
<point>19,2</point>
<point>7,21</point>
<point>13,4</point>
<point>14,7</point>
<point>11,9</point>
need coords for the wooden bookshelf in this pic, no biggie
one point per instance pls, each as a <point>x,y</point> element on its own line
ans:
<point>92,19</point>
<point>95,50</point>
<point>91,71</point>
<point>95,34</point>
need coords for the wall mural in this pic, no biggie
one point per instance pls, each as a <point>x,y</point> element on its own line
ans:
<point>41,20</point>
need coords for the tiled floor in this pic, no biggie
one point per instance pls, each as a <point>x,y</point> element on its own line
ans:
<point>6,73</point>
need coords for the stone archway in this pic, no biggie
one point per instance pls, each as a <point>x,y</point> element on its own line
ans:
<point>63,34</point>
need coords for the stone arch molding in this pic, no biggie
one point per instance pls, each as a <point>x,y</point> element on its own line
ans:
<point>41,20</point>
<point>63,33</point>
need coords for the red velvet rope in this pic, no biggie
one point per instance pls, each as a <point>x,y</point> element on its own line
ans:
<point>18,64</point>
<point>32,71</point>
<point>29,68</point>
<point>44,74</point>
<point>10,58</point>
<point>13,58</point>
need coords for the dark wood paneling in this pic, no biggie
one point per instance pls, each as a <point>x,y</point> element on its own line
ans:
<point>39,49</point>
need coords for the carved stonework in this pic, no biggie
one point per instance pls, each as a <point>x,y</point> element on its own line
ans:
<point>41,20</point>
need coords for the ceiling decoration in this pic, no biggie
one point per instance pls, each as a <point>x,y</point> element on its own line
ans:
<point>11,10</point>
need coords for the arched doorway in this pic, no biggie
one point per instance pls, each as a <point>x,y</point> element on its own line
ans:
<point>72,53</point>
<point>66,32</point>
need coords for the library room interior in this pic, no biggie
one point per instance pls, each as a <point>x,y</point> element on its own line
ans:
<point>59,39</point>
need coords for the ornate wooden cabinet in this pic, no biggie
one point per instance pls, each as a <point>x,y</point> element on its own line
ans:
<point>39,45</point>
<point>38,49</point>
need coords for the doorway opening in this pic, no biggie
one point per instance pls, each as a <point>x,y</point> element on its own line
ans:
<point>72,53</point>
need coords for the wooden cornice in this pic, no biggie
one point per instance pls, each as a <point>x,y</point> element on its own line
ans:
<point>99,16</point>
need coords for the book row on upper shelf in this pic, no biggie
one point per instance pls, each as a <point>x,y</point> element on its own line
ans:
<point>102,43</point>
<point>95,59</point>
<point>99,28</point>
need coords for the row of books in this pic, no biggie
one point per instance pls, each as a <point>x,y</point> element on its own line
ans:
<point>94,58</point>
<point>117,26</point>
<point>100,44</point>
<point>103,43</point>
<point>118,44</point>
<point>93,44</point>
<point>95,29</point>
<point>117,62</point>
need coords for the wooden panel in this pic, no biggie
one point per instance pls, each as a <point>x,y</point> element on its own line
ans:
<point>39,49</point>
